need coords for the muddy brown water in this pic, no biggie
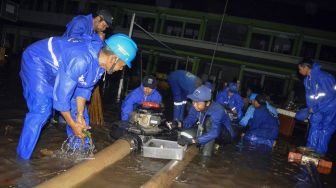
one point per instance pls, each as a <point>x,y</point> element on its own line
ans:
<point>231,166</point>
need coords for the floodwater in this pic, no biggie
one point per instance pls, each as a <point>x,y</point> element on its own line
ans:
<point>231,166</point>
<point>47,160</point>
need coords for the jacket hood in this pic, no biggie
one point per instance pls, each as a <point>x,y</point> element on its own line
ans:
<point>316,68</point>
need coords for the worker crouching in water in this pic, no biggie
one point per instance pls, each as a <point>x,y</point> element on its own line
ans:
<point>207,119</point>
<point>320,89</point>
<point>232,101</point>
<point>250,110</point>
<point>263,126</point>
<point>146,92</point>
<point>59,73</point>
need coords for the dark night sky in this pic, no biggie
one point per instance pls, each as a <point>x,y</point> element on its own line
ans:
<point>307,13</point>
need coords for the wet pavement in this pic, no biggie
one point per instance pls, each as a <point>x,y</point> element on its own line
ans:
<point>231,166</point>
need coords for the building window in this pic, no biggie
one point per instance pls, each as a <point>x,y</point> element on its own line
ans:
<point>328,53</point>
<point>173,28</point>
<point>260,41</point>
<point>282,44</point>
<point>191,30</point>
<point>212,31</point>
<point>233,34</point>
<point>308,50</point>
<point>147,23</point>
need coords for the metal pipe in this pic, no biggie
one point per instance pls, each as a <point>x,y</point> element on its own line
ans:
<point>79,173</point>
<point>218,35</point>
<point>121,82</point>
<point>166,175</point>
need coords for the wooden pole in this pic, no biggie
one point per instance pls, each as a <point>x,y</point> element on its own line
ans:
<point>95,108</point>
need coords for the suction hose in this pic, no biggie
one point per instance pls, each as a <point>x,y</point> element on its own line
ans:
<point>84,170</point>
<point>166,175</point>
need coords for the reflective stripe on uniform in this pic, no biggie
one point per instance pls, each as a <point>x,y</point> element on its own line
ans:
<point>186,135</point>
<point>52,52</point>
<point>315,97</point>
<point>180,103</point>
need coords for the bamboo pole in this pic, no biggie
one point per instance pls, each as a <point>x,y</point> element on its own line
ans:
<point>95,108</point>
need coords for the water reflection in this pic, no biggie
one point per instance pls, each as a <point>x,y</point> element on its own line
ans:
<point>240,165</point>
<point>308,177</point>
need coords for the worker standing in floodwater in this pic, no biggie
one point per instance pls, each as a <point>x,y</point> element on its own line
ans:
<point>93,25</point>
<point>209,118</point>
<point>59,73</point>
<point>182,83</point>
<point>145,92</point>
<point>320,89</point>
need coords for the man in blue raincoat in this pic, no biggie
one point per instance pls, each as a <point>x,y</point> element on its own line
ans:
<point>263,127</point>
<point>210,117</point>
<point>231,100</point>
<point>91,25</point>
<point>250,110</point>
<point>320,89</point>
<point>182,83</point>
<point>59,73</point>
<point>145,92</point>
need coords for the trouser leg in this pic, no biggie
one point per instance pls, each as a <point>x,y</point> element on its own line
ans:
<point>39,112</point>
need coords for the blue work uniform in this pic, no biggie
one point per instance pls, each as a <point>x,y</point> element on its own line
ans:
<point>182,83</point>
<point>320,89</point>
<point>81,26</point>
<point>233,102</point>
<point>137,97</point>
<point>263,127</point>
<point>219,120</point>
<point>250,111</point>
<point>54,71</point>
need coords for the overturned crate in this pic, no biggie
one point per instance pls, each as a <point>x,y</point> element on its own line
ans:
<point>163,149</point>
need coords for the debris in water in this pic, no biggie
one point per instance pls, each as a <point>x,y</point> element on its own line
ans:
<point>46,152</point>
<point>8,130</point>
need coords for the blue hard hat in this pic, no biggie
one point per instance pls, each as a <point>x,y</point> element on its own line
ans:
<point>123,47</point>
<point>233,87</point>
<point>202,93</point>
<point>252,97</point>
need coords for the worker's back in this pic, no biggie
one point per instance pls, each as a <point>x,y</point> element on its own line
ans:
<point>43,60</point>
